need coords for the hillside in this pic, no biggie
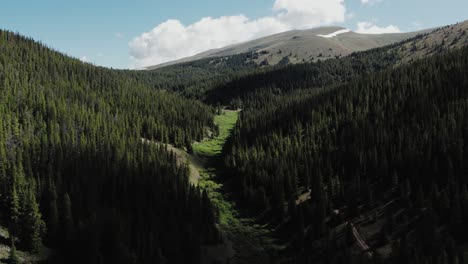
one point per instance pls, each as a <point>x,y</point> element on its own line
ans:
<point>312,75</point>
<point>357,159</point>
<point>224,79</point>
<point>74,173</point>
<point>439,40</point>
<point>382,158</point>
<point>300,46</point>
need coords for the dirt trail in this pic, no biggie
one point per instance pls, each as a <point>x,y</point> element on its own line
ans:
<point>194,163</point>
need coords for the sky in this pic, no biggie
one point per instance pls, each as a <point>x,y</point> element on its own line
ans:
<point>138,33</point>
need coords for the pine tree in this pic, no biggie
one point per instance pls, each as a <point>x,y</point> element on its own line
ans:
<point>68,226</point>
<point>53,215</point>
<point>32,224</point>
<point>13,256</point>
<point>14,212</point>
<point>188,145</point>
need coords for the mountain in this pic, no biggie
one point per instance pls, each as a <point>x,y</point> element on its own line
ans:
<point>301,46</point>
<point>373,170</point>
<point>359,159</point>
<point>317,74</point>
<point>437,41</point>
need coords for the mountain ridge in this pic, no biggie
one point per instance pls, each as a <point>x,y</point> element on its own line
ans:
<point>297,46</point>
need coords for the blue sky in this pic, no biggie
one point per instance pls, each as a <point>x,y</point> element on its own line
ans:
<point>111,33</point>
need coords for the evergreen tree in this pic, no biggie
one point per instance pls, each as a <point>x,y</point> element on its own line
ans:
<point>32,224</point>
<point>53,215</point>
<point>14,213</point>
<point>13,257</point>
<point>67,223</point>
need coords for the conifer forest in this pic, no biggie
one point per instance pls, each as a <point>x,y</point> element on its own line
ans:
<point>360,158</point>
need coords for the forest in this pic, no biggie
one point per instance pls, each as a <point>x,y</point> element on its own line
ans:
<point>397,135</point>
<point>74,172</point>
<point>360,159</point>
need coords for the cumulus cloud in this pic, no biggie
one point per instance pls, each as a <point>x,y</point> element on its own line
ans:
<point>309,13</point>
<point>119,35</point>
<point>370,28</point>
<point>84,59</point>
<point>172,40</point>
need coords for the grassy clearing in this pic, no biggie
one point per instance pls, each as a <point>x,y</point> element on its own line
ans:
<point>227,211</point>
<point>209,151</point>
<point>213,147</point>
<point>252,242</point>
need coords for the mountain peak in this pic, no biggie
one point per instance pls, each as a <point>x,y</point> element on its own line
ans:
<point>299,46</point>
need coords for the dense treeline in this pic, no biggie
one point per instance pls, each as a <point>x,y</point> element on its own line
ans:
<point>85,171</point>
<point>194,79</point>
<point>75,173</point>
<point>302,76</point>
<point>229,80</point>
<point>278,80</point>
<point>397,136</point>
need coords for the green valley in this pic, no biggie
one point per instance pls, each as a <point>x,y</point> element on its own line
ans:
<point>317,146</point>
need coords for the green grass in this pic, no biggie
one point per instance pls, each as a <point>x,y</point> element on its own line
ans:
<point>212,147</point>
<point>210,150</point>
<point>250,240</point>
<point>227,212</point>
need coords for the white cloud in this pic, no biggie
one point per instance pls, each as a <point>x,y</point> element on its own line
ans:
<point>370,28</point>
<point>119,35</point>
<point>84,59</point>
<point>100,54</point>
<point>370,2</point>
<point>309,13</point>
<point>350,15</point>
<point>172,40</point>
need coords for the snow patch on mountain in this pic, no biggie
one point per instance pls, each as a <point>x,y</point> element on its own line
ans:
<point>334,34</point>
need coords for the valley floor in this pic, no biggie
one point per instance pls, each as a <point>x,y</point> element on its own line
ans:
<point>245,240</point>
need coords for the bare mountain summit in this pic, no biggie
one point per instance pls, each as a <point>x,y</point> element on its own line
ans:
<point>302,46</point>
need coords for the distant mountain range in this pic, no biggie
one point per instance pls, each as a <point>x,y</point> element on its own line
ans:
<point>299,46</point>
